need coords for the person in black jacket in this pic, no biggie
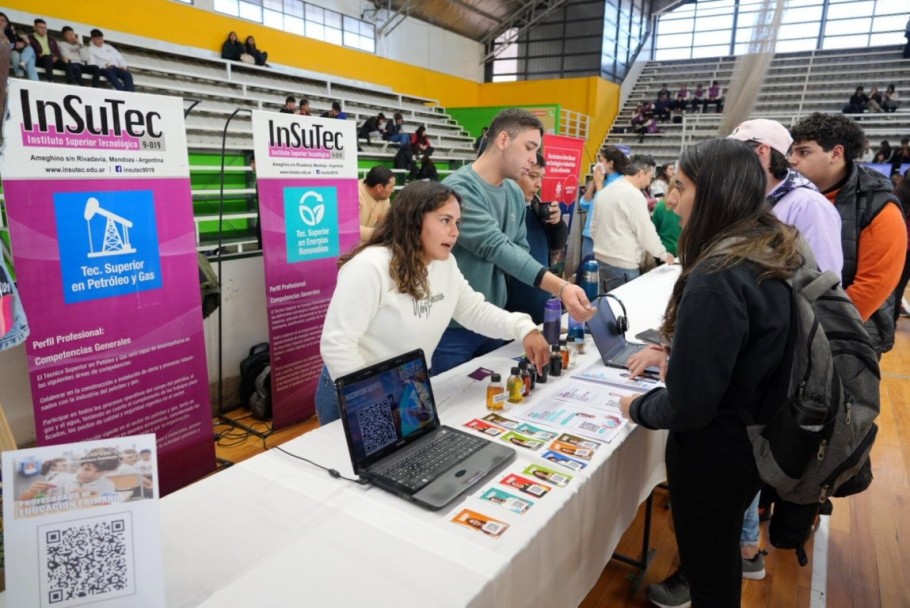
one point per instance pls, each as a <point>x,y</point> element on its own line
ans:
<point>232,48</point>
<point>260,57</point>
<point>727,325</point>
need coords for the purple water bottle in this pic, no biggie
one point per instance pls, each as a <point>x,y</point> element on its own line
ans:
<point>552,316</point>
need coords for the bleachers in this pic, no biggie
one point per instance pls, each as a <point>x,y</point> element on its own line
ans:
<point>795,85</point>
<point>220,87</point>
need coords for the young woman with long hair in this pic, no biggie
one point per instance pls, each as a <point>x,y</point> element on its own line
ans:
<point>399,290</point>
<point>726,325</point>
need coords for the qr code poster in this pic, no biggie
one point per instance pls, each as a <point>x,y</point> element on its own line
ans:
<point>83,521</point>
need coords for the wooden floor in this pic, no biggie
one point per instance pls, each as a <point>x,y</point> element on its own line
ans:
<point>868,556</point>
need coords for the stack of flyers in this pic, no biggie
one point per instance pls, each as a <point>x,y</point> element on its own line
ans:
<point>617,377</point>
<point>525,485</point>
<point>563,460</point>
<point>500,421</point>
<point>507,501</point>
<point>479,521</point>
<point>484,427</point>
<point>536,432</point>
<point>523,441</point>
<point>558,479</point>
<point>574,446</point>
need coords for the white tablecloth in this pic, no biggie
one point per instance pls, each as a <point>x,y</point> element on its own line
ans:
<point>273,531</point>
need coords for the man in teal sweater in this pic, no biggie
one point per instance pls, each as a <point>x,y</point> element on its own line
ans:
<point>492,241</point>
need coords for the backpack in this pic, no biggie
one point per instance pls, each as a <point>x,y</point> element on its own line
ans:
<point>255,381</point>
<point>209,286</point>
<point>821,425</point>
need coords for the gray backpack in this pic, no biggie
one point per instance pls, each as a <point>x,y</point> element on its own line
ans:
<point>813,434</point>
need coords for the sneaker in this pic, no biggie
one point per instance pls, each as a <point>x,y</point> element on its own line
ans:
<point>672,593</point>
<point>754,568</point>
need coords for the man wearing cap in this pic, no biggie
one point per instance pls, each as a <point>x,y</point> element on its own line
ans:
<point>794,199</point>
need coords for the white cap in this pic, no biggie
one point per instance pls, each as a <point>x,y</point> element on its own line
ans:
<point>764,131</point>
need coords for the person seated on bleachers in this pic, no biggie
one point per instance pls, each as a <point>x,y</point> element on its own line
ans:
<point>374,193</point>
<point>259,57</point>
<point>110,62</point>
<point>663,91</point>
<point>682,98</point>
<point>404,160</point>
<point>715,96</point>
<point>663,107</point>
<point>22,56</point>
<point>47,53</point>
<point>875,100</point>
<point>890,99</point>
<point>232,48</point>
<point>649,126</point>
<point>373,124</point>
<point>334,112</point>
<point>290,105</point>
<point>884,153</point>
<point>303,108</point>
<point>698,98</point>
<point>420,142</point>
<point>858,102</point>
<point>75,58</point>
<point>394,130</point>
<point>427,169</point>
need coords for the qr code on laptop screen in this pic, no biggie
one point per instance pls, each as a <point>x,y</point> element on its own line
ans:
<point>86,561</point>
<point>377,426</point>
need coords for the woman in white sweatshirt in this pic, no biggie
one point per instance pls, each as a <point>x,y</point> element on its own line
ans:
<point>400,289</point>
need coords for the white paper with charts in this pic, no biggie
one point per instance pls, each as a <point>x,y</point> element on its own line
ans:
<point>82,520</point>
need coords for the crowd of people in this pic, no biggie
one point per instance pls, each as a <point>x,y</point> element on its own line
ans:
<point>40,50</point>
<point>648,113</point>
<point>875,101</point>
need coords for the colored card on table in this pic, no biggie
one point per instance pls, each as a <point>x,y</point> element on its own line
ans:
<point>541,472</point>
<point>535,431</point>
<point>579,441</point>
<point>572,450</point>
<point>507,501</point>
<point>480,373</point>
<point>525,485</point>
<point>500,421</point>
<point>484,427</point>
<point>481,523</point>
<point>523,441</point>
<point>563,460</point>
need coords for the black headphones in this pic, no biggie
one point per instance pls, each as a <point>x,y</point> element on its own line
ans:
<point>622,323</point>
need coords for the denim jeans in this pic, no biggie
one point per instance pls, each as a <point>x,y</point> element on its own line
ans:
<point>400,138</point>
<point>612,277</point>
<point>458,345</point>
<point>749,536</point>
<point>120,79</point>
<point>326,399</point>
<point>24,59</point>
<point>13,326</point>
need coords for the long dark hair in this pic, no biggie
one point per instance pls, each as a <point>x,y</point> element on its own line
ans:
<point>400,231</point>
<point>729,210</point>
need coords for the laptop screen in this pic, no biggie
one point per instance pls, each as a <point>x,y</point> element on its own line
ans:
<point>604,330</point>
<point>386,406</point>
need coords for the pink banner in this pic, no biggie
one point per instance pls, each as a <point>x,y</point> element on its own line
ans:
<point>306,225</point>
<point>563,156</point>
<point>108,277</point>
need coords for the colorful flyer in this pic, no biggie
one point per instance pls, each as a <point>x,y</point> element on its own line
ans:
<point>507,501</point>
<point>588,395</point>
<point>100,211</point>
<point>523,441</point>
<point>481,523</point>
<point>558,479</point>
<point>600,373</point>
<point>601,424</point>
<point>580,442</point>
<point>308,204</point>
<point>83,522</point>
<point>485,427</point>
<point>525,485</point>
<point>500,421</point>
<point>563,460</point>
<point>535,431</point>
<point>572,450</point>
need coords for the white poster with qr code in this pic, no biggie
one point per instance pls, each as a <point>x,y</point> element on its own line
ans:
<point>83,521</point>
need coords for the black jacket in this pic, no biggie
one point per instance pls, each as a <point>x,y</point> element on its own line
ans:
<point>232,50</point>
<point>731,335</point>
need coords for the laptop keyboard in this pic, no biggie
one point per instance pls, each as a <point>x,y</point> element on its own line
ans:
<point>622,357</point>
<point>428,462</point>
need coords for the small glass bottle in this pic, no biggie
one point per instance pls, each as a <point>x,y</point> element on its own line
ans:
<point>515,386</point>
<point>542,376</point>
<point>525,377</point>
<point>532,371</point>
<point>496,394</point>
<point>555,361</point>
<point>564,351</point>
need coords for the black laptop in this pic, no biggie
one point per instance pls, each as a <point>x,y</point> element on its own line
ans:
<point>396,441</point>
<point>612,345</point>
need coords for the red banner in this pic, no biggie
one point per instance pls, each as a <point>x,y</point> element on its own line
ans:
<point>563,156</point>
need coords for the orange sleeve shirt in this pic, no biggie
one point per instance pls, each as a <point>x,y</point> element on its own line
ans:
<point>880,259</point>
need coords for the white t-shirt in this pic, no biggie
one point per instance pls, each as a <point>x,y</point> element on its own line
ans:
<point>369,321</point>
<point>622,227</point>
<point>68,483</point>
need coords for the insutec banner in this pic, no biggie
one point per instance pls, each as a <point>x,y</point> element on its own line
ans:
<point>100,212</point>
<point>307,177</point>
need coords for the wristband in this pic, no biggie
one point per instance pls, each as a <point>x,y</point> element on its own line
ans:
<point>561,287</point>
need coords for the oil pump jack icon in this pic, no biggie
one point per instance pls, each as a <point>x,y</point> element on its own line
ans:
<point>116,231</point>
